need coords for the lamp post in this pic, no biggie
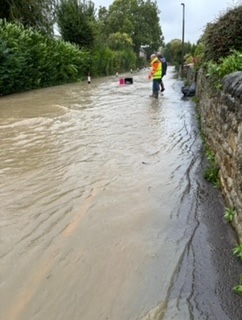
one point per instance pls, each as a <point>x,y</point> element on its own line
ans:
<point>183,30</point>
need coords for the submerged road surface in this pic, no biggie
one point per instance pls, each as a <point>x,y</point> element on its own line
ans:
<point>105,214</point>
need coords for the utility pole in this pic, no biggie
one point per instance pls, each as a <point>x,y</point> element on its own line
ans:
<point>183,31</point>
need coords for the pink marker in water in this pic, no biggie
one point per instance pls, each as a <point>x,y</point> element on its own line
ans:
<point>121,81</point>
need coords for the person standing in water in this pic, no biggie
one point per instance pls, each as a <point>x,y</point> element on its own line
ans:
<point>164,68</point>
<point>156,75</point>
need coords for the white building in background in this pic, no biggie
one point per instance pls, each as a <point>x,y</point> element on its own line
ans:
<point>142,53</point>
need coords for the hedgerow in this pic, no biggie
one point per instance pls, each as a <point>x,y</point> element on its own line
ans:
<point>31,60</point>
<point>224,36</point>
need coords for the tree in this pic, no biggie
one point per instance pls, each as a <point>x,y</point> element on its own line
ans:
<point>173,51</point>
<point>137,18</point>
<point>38,14</point>
<point>119,41</point>
<point>76,22</point>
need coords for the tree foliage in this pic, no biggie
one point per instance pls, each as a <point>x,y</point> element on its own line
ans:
<point>119,41</point>
<point>173,51</point>
<point>76,22</point>
<point>38,14</point>
<point>137,18</point>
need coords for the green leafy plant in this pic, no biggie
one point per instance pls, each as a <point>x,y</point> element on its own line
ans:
<point>216,71</point>
<point>210,155</point>
<point>229,214</point>
<point>237,251</point>
<point>212,171</point>
<point>238,289</point>
<point>195,99</point>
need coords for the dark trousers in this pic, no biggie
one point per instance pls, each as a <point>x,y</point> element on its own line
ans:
<point>162,85</point>
<point>156,86</point>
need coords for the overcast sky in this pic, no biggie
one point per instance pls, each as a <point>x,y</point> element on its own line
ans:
<point>197,14</point>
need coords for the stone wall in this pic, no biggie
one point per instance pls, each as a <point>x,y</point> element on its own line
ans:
<point>221,122</point>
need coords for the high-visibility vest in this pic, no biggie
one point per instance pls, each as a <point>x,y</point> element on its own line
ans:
<point>156,65</point>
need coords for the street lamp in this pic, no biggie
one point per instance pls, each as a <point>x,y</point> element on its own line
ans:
<point>183,30</point>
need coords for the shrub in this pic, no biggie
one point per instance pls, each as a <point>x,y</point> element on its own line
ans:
<point>30,60</point>
<point>227,65</point>
<point>223,36</point>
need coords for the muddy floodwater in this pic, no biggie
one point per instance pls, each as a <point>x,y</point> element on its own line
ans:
<point>101,201</point>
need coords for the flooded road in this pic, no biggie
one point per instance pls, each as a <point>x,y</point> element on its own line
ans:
<point>101,206</point>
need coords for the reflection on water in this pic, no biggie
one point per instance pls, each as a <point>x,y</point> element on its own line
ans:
<point>92,178</point>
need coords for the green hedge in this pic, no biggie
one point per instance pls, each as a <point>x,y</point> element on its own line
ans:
<point>30,60</point>
<point>224,36</point>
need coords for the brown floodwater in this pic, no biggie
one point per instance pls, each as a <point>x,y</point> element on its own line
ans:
<point>92,177</point>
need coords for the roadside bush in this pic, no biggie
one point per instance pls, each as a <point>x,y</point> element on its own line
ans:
<point>216,71</point>
<point>30,60</point>
<point>105,61</point>
<point>224,36</point>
